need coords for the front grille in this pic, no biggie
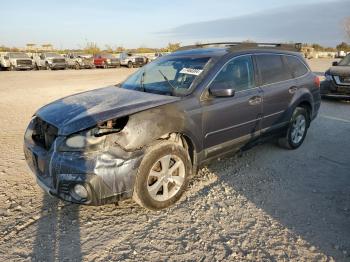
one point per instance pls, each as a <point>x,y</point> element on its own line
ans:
<point>65,188</point>
<point>24,62</point>
<point>139,60</point>
<point>58,60</point>
<point>44,134</point>
<point>345,79</point>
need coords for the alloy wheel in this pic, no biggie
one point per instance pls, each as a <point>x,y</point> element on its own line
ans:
<point>166,177</point>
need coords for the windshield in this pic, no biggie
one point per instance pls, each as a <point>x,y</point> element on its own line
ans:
<point>168,75</point>
<point>345,61</point>
<point>52,55</point>
<point>18,55</point>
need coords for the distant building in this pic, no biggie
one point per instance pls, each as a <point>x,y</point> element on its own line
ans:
<point>36,48</point>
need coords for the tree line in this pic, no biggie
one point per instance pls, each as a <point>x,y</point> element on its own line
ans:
<point>93,48</point>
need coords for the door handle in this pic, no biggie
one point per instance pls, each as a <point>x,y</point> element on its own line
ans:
<point>255,100</point>
<point>292,89</point>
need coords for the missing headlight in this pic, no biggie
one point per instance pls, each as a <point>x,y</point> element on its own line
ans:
<point>111,126</point>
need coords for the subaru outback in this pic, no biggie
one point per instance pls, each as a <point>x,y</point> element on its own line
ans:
<point>145,137</point>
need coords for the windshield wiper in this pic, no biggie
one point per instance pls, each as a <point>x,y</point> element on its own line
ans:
<point>142,81</point>
<point>170,84</point>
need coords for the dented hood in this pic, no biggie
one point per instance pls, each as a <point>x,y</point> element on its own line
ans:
<point>84,110</point>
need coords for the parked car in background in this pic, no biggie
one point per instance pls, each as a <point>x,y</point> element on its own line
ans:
<point>341,54</point>
<point>131,60</point>
<point>49,60</point>
<point>145,137</point>
<point>80,61</point>
<point>106,61</point>
<point>16,61</point>
<point>154,56</point>
<point>337,82</point>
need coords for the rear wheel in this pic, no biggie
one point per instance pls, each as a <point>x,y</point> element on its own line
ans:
<point>162,176</point>
<point>47,66</point>
<point>297,129</point>
<point>77,66</point>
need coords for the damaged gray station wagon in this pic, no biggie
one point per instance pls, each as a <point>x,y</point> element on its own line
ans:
<point>145,137</point>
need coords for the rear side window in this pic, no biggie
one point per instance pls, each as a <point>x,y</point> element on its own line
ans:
<point>296,66</point>
<point>272,69</point>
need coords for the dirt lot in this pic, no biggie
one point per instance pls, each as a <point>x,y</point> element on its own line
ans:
<point>268,204</point>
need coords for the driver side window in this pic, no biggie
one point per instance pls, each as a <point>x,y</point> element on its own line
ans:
<point>238,73</point>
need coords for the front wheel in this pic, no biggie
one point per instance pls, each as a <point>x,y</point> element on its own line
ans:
<point>162,176</point>
<point>130,65</point>
<point>297,129</point>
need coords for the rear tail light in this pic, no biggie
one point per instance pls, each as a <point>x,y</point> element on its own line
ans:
<point>317,81</point>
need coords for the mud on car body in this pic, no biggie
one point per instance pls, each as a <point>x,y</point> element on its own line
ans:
<point>145,137</point>
<point>337,82</point>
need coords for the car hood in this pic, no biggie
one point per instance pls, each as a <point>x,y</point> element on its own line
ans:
<point>84,110</point>
<point>339,70</point>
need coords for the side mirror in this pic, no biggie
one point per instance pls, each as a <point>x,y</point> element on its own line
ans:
<point>222,90</point>
<point>335,63</point>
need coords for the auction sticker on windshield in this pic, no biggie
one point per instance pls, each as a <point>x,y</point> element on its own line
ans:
<point>191,71</point>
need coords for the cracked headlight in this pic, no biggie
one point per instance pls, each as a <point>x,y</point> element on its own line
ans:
<point>83,141</point>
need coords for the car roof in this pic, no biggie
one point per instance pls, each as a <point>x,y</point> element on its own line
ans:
<point>223,48</point>
<point>200,52</point>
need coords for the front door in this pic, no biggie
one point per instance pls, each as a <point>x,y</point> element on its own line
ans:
<point>228,122</point>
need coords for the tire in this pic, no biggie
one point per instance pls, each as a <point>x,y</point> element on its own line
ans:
<point>76,66</point>
<point>150,184</point>
<point>105,66</point>
<point>130,65</point>
<point>12,68</point>
<point>47,66</point>
<point>297,129</point>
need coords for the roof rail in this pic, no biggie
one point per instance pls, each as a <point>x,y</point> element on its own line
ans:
<point>240,45</point>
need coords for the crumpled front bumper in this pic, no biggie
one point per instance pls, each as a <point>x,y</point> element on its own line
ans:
<point>107,176</point>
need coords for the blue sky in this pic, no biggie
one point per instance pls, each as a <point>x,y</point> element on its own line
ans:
<point>152,23</point>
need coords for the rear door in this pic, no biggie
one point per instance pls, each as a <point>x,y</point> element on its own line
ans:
<point>278,86</point>
<point>230,121</point>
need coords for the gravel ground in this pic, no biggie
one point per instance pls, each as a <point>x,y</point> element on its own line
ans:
<point>268,204</point>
